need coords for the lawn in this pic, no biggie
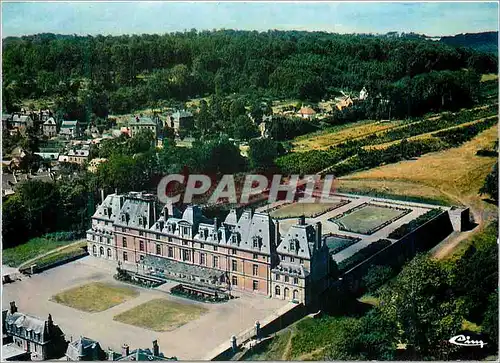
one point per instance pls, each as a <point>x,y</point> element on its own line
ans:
<point>15,256</point>
<point>59,255</point>
<point>161,315</point>
<point>298,209</point>
<point>366,219</point>
<point>95,297</point>
<point>337,243</point>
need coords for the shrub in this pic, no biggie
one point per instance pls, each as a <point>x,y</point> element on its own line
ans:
<point>406,228</point>
<point>363,254</point>
<point>376,277</point>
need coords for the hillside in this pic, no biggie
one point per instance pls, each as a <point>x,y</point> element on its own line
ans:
<point>486,42</point>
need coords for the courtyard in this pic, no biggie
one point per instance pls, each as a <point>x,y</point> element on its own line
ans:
<point>186,329</point>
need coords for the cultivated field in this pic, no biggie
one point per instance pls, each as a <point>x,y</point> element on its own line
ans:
<point>161,315</point>
<point>367,218</point>
<point>95,297</point>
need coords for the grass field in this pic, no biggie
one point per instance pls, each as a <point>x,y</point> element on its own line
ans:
<point>16,256</point>
<point>161,315</point>
<point>66,252</point>
<point>95,297</point>
<point>298,209</point>
<point>367,218</point>
<point>336,243</point>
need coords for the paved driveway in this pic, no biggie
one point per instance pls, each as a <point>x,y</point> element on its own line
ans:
<point>191,341</point>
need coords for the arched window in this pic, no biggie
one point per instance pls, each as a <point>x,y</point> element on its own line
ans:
<point>94,250</point>
<point>109,252</point>
<point>101,251</point>
<point>277,291</point>
<point>286,292</point>
<point>295,295</point>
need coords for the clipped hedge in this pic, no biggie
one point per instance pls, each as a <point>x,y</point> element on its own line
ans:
<point>363,254</point>
<point>406,228</point>
<point>459,135</point>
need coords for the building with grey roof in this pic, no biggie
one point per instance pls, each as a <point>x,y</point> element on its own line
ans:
<point>181,120</point>
<point>140,123</point>
<point>243,252</point>
<point>85,349</point>
<point>49,127</point>
<point>70,129</point>
<point>42,338</point>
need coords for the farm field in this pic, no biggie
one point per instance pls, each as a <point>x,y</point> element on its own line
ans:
<point>95,297</point>
<point>367,218</point>
<point>161,315</point>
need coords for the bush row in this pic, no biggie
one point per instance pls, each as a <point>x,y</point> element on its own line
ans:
<point>458,136</point>
<point>363,254</point>
<point>406,228</point>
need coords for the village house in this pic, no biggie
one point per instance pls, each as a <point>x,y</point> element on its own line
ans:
<point>70,129</point>
<point>138,124</point>
<point>85,349</point>
<point>76,156</point>
<point>307,113</point>
<point>237,254</point>
<point>94,164</point>
<point>344,102</point>
<point>21,122</point>
<point>363,94</point>
<point>6,121</point>
<point>42,339</point>
<point>181,120</point>
<point>49,127</point>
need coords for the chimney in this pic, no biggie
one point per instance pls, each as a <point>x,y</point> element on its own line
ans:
<point>156,348</point>
<point>277,232</point>
<point>49,320</point>
<point>216,224</point>
<point>318,235</point>
<point>302,220</point>
<point>13,307</point>
<point>111,354</point>
<point>125,350</point>
<point>102,195</point>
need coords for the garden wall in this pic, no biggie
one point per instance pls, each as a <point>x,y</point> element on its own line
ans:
<point>421,239</point>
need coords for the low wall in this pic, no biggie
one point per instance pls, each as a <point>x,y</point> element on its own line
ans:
<point>421,239</point>
<point>38,269</point>
<point>280,319</point>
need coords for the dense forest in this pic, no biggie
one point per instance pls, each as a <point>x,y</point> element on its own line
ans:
<point>484,42</point>
<point>99,74</point>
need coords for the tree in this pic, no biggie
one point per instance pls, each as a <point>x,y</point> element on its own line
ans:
<point>421,303</point>
<point>244,128</point>
<point>376,277</point>
<point>203,120</point>
<point>490,186</point>
<point>490,321</point>
<point>263,152</point>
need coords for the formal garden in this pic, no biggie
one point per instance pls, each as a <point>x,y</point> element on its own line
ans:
<point>337,243</point>
<point>368,218</point>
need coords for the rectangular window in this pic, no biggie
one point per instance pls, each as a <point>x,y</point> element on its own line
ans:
<point>282,258</point>
<point>185,255</point>
<point>184,243</point>
<point>215,248</point>
<point>124,241</point>
<point>170,252</point>
<point>292,259</point>
<point>233,251</point>
<point>234,281</point>
<point>141,233</point>
<point>255,270</point>
<point>255,285</point>
<point>301,261</point>
<point>277,277</point>
<point>255,256</point>
<point>100,239</point>
<point>202,259</point>
<point>158,249</point>
<point>158,237</point>
<point>125,256</point>
<point>169,239</point>
<point>234,265</point>
<point>202,245</point>
<point>216,262</point>
<point>296,280</point>
<point>124,229</point>
<point>286,278</point>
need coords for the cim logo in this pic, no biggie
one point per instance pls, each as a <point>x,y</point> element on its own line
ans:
<point>465,341</point>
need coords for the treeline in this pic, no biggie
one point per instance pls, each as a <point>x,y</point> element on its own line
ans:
<point>123,73</point>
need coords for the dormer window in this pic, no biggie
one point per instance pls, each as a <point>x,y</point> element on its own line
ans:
<point>292,246</point>
<point>123,217</point>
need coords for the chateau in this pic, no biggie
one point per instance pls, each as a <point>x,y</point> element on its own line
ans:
<point>244,252</point>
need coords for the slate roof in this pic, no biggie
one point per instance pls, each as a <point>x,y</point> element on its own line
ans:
<point>69,124</point>
<point>110,208</point>
<point>142,355</point>
<point>290,269</point>
<point>85,349</point>
<point>181,114</point>
<point>50,122</point>
<point>26,323</point>
<point>80,152</point>
<point>298,241</point>
<point>142,121</point>
<point>21,118</point>
<point>136,211</point>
